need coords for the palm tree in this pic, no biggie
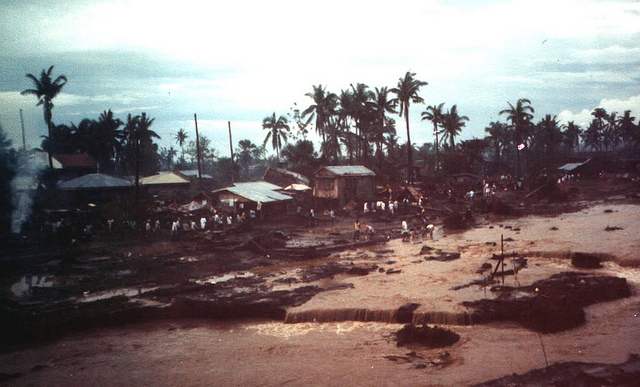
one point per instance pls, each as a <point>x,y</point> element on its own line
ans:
<point>247,151</point>
<point>572,135</point>
<point>331,150</point>
<point>434,114</point>
<point>452,125</point>
<point>613,130</point>
<point>107,134</point>
<point>628,129</point>
<point>181,138</point>
<point>407,92</point>
<point>381,105</point>
<point>520,117</point>
<point>322,108</point>
<point>362,97</point>
<point>600,115</point>
<point>278,132</point>
<point>592,136</point>
<point>46,90</point>
<point>551,137</point>
<point>498,136</point>
<point>346,113</point>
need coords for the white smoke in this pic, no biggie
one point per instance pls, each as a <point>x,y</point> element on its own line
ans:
<point>24,187</point>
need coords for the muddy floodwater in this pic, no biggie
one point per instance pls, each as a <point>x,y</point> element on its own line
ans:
<point>265,352</point>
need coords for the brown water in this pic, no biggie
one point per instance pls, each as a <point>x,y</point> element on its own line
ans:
<point>254,352</point>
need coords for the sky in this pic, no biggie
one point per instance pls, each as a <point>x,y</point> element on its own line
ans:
<point>241,61</point>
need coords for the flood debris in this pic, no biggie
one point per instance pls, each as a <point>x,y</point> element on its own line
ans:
<point>442,256</point>
<point>425,335</point>
<point>585,260</point>
<point>550,305</point>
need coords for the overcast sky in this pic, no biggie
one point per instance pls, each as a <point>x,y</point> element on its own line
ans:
<point>240,61</point>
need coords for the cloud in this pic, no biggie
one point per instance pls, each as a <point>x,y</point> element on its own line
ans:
<point>584,117</point>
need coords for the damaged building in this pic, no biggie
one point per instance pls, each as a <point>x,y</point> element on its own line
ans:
<point>337,185</point>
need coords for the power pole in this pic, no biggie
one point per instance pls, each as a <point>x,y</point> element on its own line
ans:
<point>198,149</point>
<point>24,142</point>
<point>233,178</point>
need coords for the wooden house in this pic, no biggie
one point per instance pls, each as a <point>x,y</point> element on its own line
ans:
<point>337,185</point>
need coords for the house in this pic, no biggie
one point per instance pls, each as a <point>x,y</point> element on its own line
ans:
<point>94,188</point>
<point>260,196</point>
<point>589,168</point>
<point>66,166</point>
<point>283,178</point>
<point>166,186</point>
<point>336,185</point>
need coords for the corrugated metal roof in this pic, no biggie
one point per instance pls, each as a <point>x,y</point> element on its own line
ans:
<point>164,178</point>
<point>342,170</point>
<point>572,166</point>
<point>257,191</point>
<point>194,173</point>
<point>94,180</point>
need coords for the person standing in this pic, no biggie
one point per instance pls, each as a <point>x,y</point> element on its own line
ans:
<point>405,231</point>
<point>356,230</point>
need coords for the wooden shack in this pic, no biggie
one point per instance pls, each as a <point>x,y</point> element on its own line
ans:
<point>338,185</point>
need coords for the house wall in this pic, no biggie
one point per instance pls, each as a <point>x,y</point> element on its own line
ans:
<point>345,187</point>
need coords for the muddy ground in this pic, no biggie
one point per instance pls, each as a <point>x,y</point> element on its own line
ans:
<point>66,295</point>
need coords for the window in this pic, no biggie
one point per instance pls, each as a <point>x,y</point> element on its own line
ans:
<point>325,184</point>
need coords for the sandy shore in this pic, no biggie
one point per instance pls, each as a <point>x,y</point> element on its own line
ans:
<point>256,352</point>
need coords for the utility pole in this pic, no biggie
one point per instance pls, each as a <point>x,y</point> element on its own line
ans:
<point>233,178</point>
<point>24,142</point>
<point>198,150</point>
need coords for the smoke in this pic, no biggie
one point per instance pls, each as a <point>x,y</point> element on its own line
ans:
<point>24,187</point>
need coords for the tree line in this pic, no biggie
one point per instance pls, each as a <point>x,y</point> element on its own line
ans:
<point>356,126</point>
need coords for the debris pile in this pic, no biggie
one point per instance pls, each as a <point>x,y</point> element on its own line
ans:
<point>425,335</point>
<point>551,305</point>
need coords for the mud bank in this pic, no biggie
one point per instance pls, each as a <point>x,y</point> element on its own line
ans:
<point>576,374</point>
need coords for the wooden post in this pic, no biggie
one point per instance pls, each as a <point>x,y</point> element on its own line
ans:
<point>233,168</point>
<point>502,256</point>
<point>195,117</point>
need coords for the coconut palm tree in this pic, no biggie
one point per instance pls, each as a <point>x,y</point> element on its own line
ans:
<point>407,92</point>
<point>322,108</point>
<point>551,137</point>
<point>362,97</point>
<point>181,138</point>
<point>434,114</point>
<point>613,130</point>
<point>46,89</point>
<point>278,132</point>
<point>331,149</point>
<point>520,116</point>
<point>452,124</point>
<point>381,105</point>
<point>592,136</point>
<point>107,134</point>
<point>628,129</point>
<point>498,137</point>
<point>345,111</point>
<point>572,135</point>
